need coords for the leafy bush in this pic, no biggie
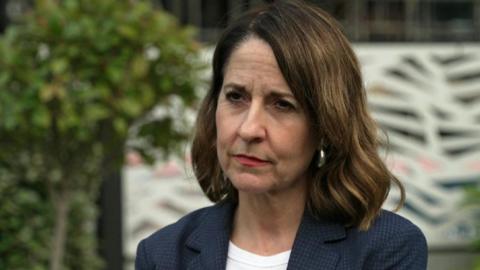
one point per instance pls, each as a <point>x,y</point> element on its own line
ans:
<point>75,76</point>
<point>473,199</point>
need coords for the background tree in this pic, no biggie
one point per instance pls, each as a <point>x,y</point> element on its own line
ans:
<point>473,200</point>
<point>78,78</point>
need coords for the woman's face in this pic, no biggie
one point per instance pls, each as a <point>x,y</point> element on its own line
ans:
<point>264,141</point>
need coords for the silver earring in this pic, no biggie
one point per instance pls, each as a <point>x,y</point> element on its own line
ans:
<point>321,158</point>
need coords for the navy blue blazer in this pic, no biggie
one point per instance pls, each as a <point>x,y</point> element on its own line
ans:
<point>200,241</point>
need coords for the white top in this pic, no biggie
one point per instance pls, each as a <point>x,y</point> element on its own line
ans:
<point>240,259</point>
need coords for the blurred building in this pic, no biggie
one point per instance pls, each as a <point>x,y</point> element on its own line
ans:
<point>3,15</point>
<point>363,20</point>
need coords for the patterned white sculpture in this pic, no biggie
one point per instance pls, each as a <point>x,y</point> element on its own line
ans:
<point>427,99</point>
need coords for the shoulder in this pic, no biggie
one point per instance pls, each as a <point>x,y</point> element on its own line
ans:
<point>393,241</point>
<point>388,223</point>
<point>166,244</point>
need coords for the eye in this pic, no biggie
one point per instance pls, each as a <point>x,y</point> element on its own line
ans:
<point>234,96</point>
<point>284,105</point>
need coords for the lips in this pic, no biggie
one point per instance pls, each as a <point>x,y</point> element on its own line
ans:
<point>250,161</point>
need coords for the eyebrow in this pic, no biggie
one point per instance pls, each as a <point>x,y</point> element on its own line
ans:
<point>273,92</point>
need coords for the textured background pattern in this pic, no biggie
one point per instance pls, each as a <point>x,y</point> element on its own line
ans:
<point>427,100</point>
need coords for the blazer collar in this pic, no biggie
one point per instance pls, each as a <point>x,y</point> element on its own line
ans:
<point>211,238</point>
<point>310,248</point>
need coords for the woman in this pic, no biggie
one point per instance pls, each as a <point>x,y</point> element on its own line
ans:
<point>286,148</point>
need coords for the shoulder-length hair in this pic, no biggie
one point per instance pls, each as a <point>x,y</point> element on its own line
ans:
<point>323,73</point>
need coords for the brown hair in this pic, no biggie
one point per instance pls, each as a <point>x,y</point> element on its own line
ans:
<point>324,75</point>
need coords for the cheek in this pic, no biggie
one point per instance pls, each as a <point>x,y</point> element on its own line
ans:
<point>219,127</point>
<point>298,146</point>
<point>224,125</point>
<point>221,136</point>
<point>219,146</point>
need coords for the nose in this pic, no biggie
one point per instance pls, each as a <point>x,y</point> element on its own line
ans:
<point>252,128</point>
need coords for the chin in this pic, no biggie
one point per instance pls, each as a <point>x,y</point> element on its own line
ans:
<point>251,186</point>
<point>252,189</point>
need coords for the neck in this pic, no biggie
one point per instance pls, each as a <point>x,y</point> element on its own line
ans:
<point>266,224</point>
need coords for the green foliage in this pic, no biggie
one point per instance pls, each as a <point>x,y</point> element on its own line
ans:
<point>23,202</point>
<point>81,243</point>
<point>473,199</point>
<point>75,76</point>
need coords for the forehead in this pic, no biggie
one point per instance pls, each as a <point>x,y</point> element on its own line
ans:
<point>253,61</point>
<point>252,50</point>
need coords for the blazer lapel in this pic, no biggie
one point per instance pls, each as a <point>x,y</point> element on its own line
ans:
<point>310,250</point>
<point>209,241</point>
